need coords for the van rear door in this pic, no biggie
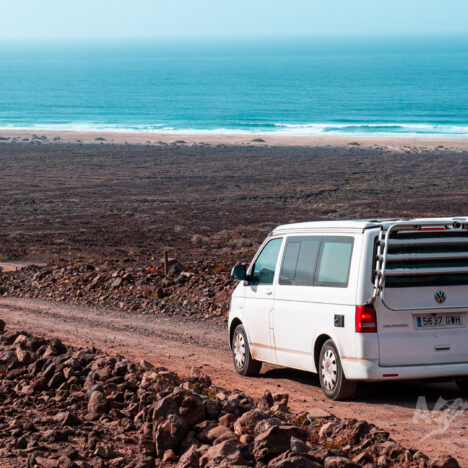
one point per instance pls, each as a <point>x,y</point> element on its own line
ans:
<point>422,312</point>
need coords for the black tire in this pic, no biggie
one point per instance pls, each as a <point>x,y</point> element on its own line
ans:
<point>332,379</point>
<point>462,384</point>
<point>243,361</point>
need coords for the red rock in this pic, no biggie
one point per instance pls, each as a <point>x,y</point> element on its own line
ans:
<point>445,461</point>
<point>104,451</point>
<point>47,462</point>
<point>56,380</point>
<point>276,440</point>
<point>219,434</point>
<point>247,422</point>
<point>281,401</point>
<point>340,462</point>
<point>192,409</point>
<point>169,456</point>
<point>97,403</point>
<point>169,434</point>
<point>228,420</point>
<point>226,454</point>
<point>294,461</point>
<point>198,374</point>
<point>66,418</point>
<point>23,355</point>
<point>190,459</point>
<point>266,401</point>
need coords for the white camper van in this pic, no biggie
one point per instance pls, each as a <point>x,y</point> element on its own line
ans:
<point>365,300</point>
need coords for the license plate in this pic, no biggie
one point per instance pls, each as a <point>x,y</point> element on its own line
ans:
<point>439,321</point>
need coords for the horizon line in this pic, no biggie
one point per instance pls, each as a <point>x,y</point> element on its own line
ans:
<point>259,36</point>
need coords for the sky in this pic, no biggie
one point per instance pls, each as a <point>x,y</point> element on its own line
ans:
<point>83,19</point>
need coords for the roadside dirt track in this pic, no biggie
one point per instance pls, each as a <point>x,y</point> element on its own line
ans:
<point>180,344</point>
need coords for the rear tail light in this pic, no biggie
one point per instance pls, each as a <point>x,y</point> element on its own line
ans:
<point>432,228</point>
<point>366,319</point>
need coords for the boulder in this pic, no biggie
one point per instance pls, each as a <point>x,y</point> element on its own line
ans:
<point>198,374</point>
<point>57,379</point>
<point>66,418</point>
<point>219,434</point>
<point>190,459</point>
<point>295,461</point>
<point>22,355</point>
<point>226,454</point>
<point>445,461</point>
<point>104,451</point>
<point>281,401</point>
<point>212,409</point>
<point>266,401</point>
<point>247,422</point>
<point>168,457</point>
<point>327,430</point>
<point>97,403</point>
<point>340,462</point>
<point>276,440</point>
<point>39,384</point>
<point>43,462</point>
<point>94,388</point>
<point>163,408</point>
<point>265,424</point>
<point>299,446</point>
<point>169,434</point>
<point>228,420</point>
<point>192,409</point>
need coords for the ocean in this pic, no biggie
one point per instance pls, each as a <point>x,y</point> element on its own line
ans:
<point>360,86</point>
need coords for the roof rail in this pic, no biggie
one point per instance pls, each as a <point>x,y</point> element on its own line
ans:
<point>382,257</point>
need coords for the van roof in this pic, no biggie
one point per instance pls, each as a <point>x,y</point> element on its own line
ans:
<point>355,225</point>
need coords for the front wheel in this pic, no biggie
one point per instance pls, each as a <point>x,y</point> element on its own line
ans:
<point>243,361</point>
<point>332,379</point>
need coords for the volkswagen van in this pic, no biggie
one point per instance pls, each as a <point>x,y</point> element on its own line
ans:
<point>364,300</point>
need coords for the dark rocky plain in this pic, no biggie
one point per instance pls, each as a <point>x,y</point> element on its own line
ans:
<point>98,218</point>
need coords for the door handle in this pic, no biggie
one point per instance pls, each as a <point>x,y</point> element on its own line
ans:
<point>269,292</point>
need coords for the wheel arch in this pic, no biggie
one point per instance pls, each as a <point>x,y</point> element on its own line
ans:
<point>235,322</point>
<point>319,342</point>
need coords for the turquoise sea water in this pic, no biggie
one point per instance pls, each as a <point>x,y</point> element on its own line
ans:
<point>361,87</point>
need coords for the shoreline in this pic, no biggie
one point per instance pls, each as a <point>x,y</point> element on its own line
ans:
<point>99,137</point>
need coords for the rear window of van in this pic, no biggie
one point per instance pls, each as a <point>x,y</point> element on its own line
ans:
<point>316,261</point>
<point>440,252</point>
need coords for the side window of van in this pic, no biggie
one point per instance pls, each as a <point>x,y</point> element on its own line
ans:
<point>265,265</point>
<point>299,261</point>
<point>334,262</point>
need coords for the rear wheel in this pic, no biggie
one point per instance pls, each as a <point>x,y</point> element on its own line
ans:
<point>462,384</point>
<point>243,361</point>
<point>332,379</point>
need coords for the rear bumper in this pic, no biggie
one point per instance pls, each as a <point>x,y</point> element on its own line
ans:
<point>364,369</point>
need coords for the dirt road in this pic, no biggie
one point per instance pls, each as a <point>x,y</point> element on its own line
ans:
<point>180,344</point>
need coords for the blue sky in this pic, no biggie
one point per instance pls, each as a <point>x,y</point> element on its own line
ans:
<point>25,19</point>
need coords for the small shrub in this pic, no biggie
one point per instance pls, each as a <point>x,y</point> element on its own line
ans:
<point>197,240</point>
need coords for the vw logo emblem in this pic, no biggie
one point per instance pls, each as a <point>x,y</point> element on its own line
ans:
<point>440,297</point>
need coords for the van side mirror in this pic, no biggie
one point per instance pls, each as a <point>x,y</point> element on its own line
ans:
<point>239,273</point>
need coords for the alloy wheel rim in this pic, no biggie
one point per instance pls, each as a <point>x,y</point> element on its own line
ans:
<point>329,370</point>
<point>239,350</point>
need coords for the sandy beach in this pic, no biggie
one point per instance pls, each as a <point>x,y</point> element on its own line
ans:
<point>391,143</point>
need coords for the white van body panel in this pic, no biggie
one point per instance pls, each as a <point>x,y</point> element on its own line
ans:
<point>315,309</point>
<point>284,322</point>
<point>258,308</point>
